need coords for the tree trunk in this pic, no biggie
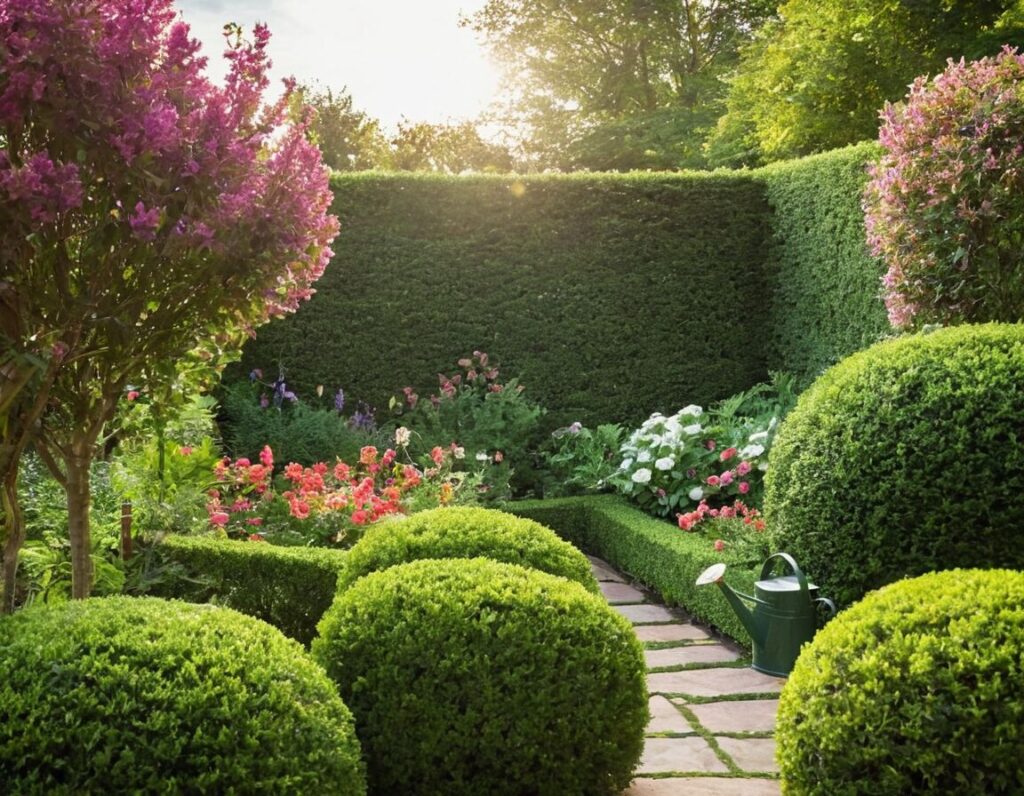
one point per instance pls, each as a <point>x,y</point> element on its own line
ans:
<point>77,470</point>
<point>15,537</point>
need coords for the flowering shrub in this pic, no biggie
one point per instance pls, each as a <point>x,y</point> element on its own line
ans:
<point>581,459</point>
<point>737,528</point>
<point>672,462</point>
<point>325,504</point>
<point>494,422</point>
<point>945,205</point>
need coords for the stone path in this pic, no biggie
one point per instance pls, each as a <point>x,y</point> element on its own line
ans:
<point>712,716</point>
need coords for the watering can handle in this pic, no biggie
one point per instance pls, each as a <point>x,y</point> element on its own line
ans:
<point>831,606</point>
<point>801,578</point>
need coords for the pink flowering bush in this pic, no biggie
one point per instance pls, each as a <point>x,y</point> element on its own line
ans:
<point>945,204</point>
<point>324,503</point>
<point>737,529</point>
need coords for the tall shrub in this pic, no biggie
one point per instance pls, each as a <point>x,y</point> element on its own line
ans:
<point>945,205</point>
<point>149,218</point>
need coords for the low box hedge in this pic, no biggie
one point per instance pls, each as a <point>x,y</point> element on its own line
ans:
<point>287,587</point>
<point>652,551</point>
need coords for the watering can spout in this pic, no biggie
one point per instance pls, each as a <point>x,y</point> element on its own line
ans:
<point>715,574</point>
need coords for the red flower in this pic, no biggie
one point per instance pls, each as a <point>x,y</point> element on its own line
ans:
<point>437,454</point>
<point>267,457</point>
<point>712,480</point>
<point>219,518</point>
<point>719,545</point>
<point>727,454</point>
<point>255,537</point>
<point>293,472</point>
<point>368,455</point>
<point>132,395</point>
<point>360,517</point>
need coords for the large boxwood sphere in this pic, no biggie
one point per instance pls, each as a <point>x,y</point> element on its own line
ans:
<point>917,689</point>
<point>467,676</point>
<point>903,459</point>
<point>465,532</point>
<point>122,695</point>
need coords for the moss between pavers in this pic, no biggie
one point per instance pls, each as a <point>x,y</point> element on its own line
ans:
<point>654,552</point>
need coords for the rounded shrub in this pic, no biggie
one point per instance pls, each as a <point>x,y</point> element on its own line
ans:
<point>467,676</point>
<point>917,689</point>
<point>126,695</point>
<point>464,532</point>
<point>904,459</point>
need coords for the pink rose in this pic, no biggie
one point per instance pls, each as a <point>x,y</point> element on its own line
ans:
<point>727,454</point>
<point>713,480</point>
<point>743,468</point>
<point>185,450</point>
<point>725,478</point>
<point>219,518</point>
<point>744,487</point>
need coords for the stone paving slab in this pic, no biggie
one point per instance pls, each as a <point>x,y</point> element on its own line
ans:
<point>703,786</point>
<point>673,632</point>
<point>621,593</point>
<point>643,614</point>
<point>665,717</point>
<point>713,682</point>
<point>603,571</point>
<point>751,754</point>
<point>679,754</point>
<point>683,656</point>
<point>754,715</point>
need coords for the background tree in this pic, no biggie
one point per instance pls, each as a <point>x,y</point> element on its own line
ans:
<point>590,79</point>
<point>149,220</point>
<point>451,148</point>
<point>817,78</point>
<point>350,140</point>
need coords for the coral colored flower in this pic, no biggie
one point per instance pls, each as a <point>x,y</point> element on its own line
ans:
<point>293,472</point>
<point>743,468</point>
<point>360,517</point>
<point>719,545</point>
<point>712,480</point>
<point>727,454</point>
<point>744,487</point>
<point>368,455</point>
<point>219,518</point>
<point>257,521</point>
<point>499,457</point>
<point>243,462</point>
<point>759,525</point>
<point>132,395</point>
<point>387,458</point>
<point>341,471</point>
<point>446,493</point>
<point>255,537</point>
<point>437,455</point>
<point>185,450</point>
<point>299,509</point>
<point>320,468</point>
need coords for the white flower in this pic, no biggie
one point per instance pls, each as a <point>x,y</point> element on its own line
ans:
<point>665,463</point>
<point>696,493</point>
<point>483,457</point>
<point>692,410</point>
<point>459,452</point>
<point>642,476</point>
<point>751,451</point>
<point>760,436</point>
<point>643,457</point>
<point>626,464</point>
<point>402,436</point>
<point>763,466</point>
<point>673,426</point>
<point>693,430</point>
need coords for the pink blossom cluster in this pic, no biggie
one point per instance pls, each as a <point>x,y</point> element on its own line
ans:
<point>730,477</point>
<point>945,204</point>
<point>737,511</point>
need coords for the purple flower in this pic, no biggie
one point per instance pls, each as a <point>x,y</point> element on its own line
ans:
<point>363,418</point>
<point>339,400</point>
<point>144,223</point>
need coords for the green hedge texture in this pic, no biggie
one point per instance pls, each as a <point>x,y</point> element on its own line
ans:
<point>825,286</point>
<point>582,286</point>
<point>917,689</point>
<point>466,532</point>
<point>287,587</point>
<point>650,550</point>
<point>903,459</point>
<point>467,676</point>
<point>141,695</point>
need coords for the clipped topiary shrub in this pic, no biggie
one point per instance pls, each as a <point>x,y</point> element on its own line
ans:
<point>467,676</point>
<point>903,459</point>
<point>125,695</point>
<point>917,689</point>
<point>466,532</point>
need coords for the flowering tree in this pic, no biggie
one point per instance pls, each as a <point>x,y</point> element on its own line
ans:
<point>945,205</point>
<point>149,220</point>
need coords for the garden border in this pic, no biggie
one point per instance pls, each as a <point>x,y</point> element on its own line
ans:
<point>652,551</point>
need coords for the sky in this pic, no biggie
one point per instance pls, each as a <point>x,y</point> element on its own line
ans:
<point>398,58</point>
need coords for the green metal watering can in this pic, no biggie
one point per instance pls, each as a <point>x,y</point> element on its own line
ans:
<point>785,614</point>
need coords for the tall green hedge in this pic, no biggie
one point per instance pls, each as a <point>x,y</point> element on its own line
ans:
<point>825,286</point>
<point>609,296</point>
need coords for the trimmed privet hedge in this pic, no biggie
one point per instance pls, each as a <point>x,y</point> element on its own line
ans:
<point>467,676</point>
<point>609,296</point>
<point>905,458</point>
<point>287,587</point>
<point>825,286</point>
<point>466,532</point>
<point>140,695</point>
<point>653,551</point>
<point>919,688</point>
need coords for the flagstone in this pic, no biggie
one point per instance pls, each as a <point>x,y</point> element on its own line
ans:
<point>713,682</point>
<point>643,614</point>
<point>755,715</point>
<point>621,593</point>
<point>679,754</point>
<point>703,786</point>
<point>665,717</point>
<point>750,754</point>
<point>673,632</point>
<point>683,656</point>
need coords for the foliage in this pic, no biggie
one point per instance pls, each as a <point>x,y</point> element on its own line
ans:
<point>693,456</point>
<point>130,695</point>
<point>651,550</point>
<point>467,533</point>
<point>594,261</point>
<point>324,504</point>
<point>513,681</point>
<point>349,139</point>
<point>824,284</point>
<point>577,459</point>
<point>586,79</point>
<point>917,689</point>
<point>449,148</point>
<point>492,422</point>
<point>298,431</point>
<point>815,78</point>
<point>151,218</point>
<point>902,459</point>
<point>287,587</point>
<point>944,207</point>
<point>737,528</point>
